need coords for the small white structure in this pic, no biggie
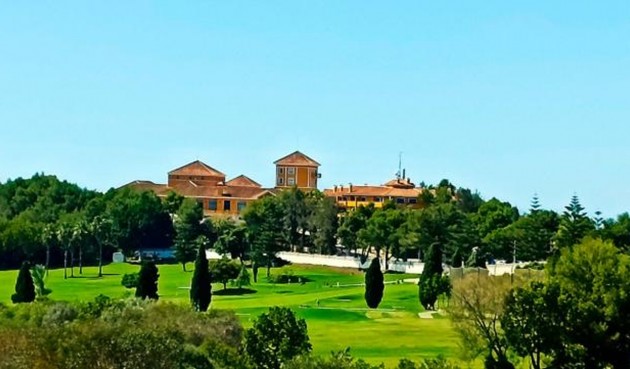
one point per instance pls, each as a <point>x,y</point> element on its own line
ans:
<point>118,257</point>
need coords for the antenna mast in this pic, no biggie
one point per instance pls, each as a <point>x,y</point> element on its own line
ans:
<point>399,173</point>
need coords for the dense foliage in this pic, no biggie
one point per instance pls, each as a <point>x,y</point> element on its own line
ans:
<point>147,287</point>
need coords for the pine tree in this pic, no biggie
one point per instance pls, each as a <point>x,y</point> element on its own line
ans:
<point>535,204</point>
<point>200,286</point>
<point>374,285</point>
<point>148,281</point>
<point>574,224</point>
<point>24,286</point>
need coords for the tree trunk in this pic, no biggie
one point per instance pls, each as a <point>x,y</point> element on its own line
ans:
<point>47,258</point>
<point>100,260</point>
<point>386,258</point>
<point>268,267</point>
<point>225,285</point>
<point>184,266</point>
<point>65,264</point>
<point>81,260</point>
<point>71,263</point>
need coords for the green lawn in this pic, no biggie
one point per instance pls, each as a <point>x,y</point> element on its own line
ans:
<point>341,320</point>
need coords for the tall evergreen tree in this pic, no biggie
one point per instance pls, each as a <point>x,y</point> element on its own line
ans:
<point>574,224</point>
<point>535,204</point>
<point>148,281</point>
<point>200,286</point>
<point>24,286</point>
<point>374,285</point>
<point>430,285</point>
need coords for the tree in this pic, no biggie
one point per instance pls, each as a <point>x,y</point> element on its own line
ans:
<point>295,216</point>
<point>200,286</point>
<point>243,279</point>
<point>223,270</point>
<point>618,231</point>
<point>231,239</point>
<point>532,321</point>
<point>24,286</point>
<point>593,279</point>
<point>476,308</point>
<point>458,259</point>
<point>352,222</point>
<point>265,231</point>
<point>189,226</point>
<point>382,231</point>
<point>574,224</point>
<point>64,238</point>
<point>148,281</point>
<point>275,338</point>
<point>39,280</point>
<point>101,229</point>
<point>324,223</point>
<point>432,284</point>
<point>374,285</point>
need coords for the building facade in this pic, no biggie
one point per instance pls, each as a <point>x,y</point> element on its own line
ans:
<point>221,197</point>
<point>401,191</point>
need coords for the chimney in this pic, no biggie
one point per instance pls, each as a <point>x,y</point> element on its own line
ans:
<point>349,187</point>
<point>335,188</point>
<point>404,173</point>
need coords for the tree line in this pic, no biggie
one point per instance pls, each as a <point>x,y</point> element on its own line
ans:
<point>56,223</point>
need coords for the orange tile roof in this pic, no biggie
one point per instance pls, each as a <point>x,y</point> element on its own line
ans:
<point>242,180</point>
<point>298,159</point>
<point>196,168</point>
<point>246,192</point>
<point>381,191</point>
<point>400,183</point>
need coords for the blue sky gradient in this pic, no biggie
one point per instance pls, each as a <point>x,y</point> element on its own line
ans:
<point>510,98</point>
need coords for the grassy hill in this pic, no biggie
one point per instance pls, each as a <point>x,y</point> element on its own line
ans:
<point>331,301</point>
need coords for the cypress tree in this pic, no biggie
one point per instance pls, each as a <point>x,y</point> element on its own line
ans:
<point>430,285</point>
<point>374,285</point>
<point>458,258</point>
<point>148,281</point>
<point>200,287</point>
<point>24,286</point>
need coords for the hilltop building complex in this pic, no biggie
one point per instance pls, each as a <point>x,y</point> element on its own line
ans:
<point>221,197</point>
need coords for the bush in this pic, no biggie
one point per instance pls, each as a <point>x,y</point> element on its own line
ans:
<point>24,286</point>
<point>130,280</point>
<point>275,338</point>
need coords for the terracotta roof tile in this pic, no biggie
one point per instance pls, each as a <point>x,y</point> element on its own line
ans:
<point>196,168</point>
<point>381,191</point>
<point>244,181</point>
<point>298,159</point>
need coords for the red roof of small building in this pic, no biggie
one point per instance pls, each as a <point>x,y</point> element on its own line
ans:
<point>196,168</point>
<point>298,159</point>
<point>242,180</point>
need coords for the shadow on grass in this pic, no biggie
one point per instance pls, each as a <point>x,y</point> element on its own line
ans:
<point>234,292</point>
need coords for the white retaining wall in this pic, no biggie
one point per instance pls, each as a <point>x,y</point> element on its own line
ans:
<point>411,266</point>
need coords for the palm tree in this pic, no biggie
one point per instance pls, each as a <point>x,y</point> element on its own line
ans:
<point>79,235</point>
<point>48,237</point>
<point>100,228</point>
<point>64,237</point>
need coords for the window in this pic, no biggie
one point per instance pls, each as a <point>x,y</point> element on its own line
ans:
<point>212,205</point>
<point>400,200</point>
<point>280,181</point>
<point>227,205</point>
<point>291,181</point>
<point>377,199</point>
<point>280,171</point>
<point>362,198</point>
<point>291,171</point>
<point>241,205</point>
<point>413,201</point>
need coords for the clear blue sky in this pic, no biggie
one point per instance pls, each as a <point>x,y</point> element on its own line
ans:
<point>506,97</point>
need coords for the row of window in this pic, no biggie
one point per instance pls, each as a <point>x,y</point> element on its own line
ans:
<point>290,171</point>
<point>227,205</point>
<point>399,200</point>
<point>290,181</point>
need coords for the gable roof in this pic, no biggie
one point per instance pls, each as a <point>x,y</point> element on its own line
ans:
<point>297,158</point>
<point>243,181</point>
<point>196,168</point>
